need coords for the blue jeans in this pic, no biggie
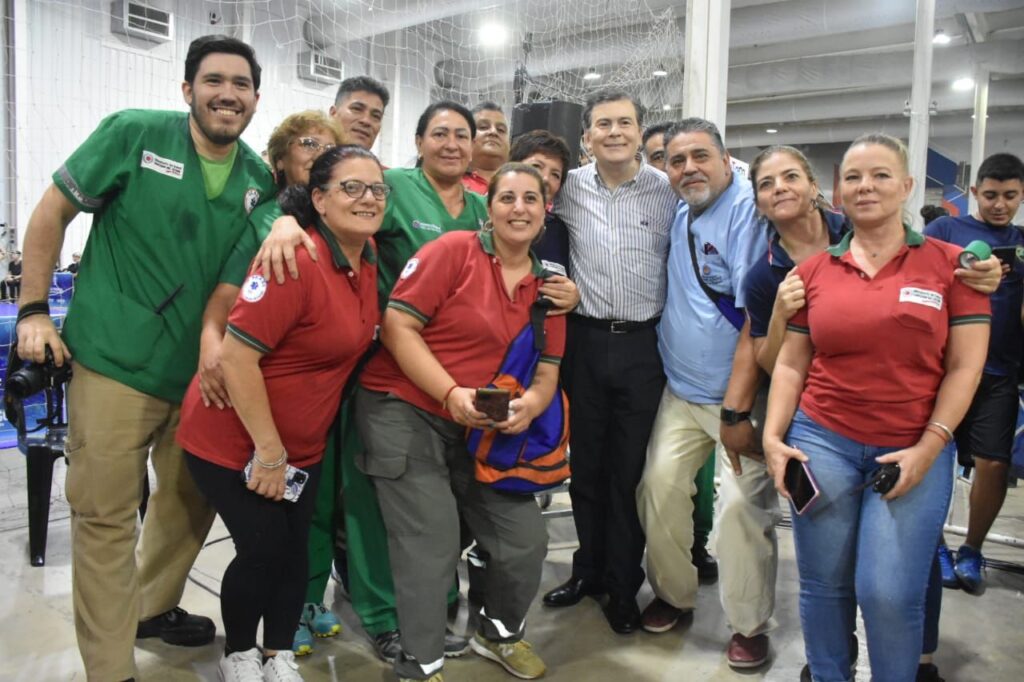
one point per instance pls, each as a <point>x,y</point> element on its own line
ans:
<point>853,548</point>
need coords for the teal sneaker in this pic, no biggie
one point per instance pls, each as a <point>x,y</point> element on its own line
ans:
<point>302,645</point>
<point>320,621</point>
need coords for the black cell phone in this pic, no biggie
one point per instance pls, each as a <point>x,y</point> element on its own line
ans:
<point>1007,255</point>
<point>801,486</point>
<point>493,402</point>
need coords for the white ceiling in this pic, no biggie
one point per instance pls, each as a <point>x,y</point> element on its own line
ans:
<point>819,71</point>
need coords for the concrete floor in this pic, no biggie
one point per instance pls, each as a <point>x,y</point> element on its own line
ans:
<point>982,636</point>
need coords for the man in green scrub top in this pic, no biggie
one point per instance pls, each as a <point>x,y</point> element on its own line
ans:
<point>170,193</point>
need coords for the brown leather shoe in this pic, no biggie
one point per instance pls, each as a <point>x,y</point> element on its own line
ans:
<point>660,616</point>
<point>747,652</point>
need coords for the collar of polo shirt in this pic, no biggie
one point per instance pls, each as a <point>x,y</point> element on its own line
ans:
<point>487,243</point>
<point>336,255</point>
<point>910,236</point>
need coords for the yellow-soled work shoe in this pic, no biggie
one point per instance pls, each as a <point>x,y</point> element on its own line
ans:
<point>516,657</point>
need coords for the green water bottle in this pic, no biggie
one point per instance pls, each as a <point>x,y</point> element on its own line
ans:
<point>974,252</point>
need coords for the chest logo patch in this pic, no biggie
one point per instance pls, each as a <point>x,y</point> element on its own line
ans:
<point>932,299</point>
<point>252,197</point>
<point>254,288</point>
<point>169,167</point>
<point>426,226</point>
<point>409,268</point>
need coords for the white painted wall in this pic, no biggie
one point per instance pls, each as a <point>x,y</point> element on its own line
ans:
<point>71,71</point>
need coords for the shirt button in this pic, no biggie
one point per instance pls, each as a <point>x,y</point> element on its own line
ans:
<point>351,274</point>
<point>863,276</point>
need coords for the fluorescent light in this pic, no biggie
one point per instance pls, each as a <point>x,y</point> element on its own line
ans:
<point>771,131</point>
<point>659,72</point>
<point>492,34</point>
<point>940,38</point>
<point>591,75</point>
<point>666,107</point>
<point>963,84</point>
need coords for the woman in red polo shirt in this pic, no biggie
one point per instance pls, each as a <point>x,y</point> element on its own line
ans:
<point>457,305</point>
<point>882,363</point>
<point>288,352</point>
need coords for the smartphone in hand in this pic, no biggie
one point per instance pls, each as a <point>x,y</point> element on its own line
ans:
<point>801,486</point>
<point>493,402</point>
<point>294,481</point>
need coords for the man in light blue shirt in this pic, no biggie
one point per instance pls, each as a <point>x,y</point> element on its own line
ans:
<point>712,383</point>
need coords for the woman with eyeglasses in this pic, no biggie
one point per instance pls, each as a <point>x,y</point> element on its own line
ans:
<point>293,147</point>
<point>289,350</point>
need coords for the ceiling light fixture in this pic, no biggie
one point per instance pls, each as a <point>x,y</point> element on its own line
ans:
<point>666,107</point>
<point>591,75</point>
<point>659,72</point>
<point>771,131</point>
<point>963,84</point>
<point>940,37</point>
<point>493,35</point>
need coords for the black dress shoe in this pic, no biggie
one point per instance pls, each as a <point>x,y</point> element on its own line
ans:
<point>179,628</point>
<point>707,567</point>
<point>623,614</point>
<point>572,591</point>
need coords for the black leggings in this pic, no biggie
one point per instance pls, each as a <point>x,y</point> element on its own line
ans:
<point>267,578</point>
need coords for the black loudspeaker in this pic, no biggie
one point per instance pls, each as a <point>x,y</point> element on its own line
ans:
<point>561,118</point>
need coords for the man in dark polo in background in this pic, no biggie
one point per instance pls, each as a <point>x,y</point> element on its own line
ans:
<point>654,144</point>
<point>619,211</point>
<point>170,192</point>
<point>490,146</point>
<point>359,109</point>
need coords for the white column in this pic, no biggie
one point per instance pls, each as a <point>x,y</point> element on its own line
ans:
<point>978,131</point>
<point>920,98</point>
<point>706,65</point>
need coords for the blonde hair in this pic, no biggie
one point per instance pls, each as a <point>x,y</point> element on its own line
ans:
<point>294,126</point>
<point>893,144</point>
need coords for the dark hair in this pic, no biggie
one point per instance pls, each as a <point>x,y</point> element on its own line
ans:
<point>602,96</point>
<point>931,212</point>
<point>207,45</point>
<point>1000,167</point>
<point>514,167</point>
<point>543,142</point>
<point>655,129</point>
<point>297,200</point>
<point>362,84</point>
<point>487,106</point>
<point>695,125</point>
<point>819,202</point>
<point>444,105</point>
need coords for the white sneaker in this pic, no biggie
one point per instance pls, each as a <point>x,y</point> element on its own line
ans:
<point>242,666</point>
<point>281,668</point>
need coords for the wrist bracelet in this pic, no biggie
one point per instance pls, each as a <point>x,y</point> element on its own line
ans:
<point>273,465</point>
<point>33,308</point>
<point>945,430</point>
<point>447,394</point>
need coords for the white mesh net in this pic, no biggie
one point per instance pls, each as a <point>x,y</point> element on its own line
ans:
<point>73,63</point>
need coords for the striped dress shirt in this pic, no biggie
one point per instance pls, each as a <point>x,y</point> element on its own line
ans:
<point>618,241</point>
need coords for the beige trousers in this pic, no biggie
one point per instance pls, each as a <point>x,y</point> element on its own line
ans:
<point>113,430</point>
<point>745,516</point>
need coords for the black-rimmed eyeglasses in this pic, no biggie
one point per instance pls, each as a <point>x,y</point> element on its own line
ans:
<point>357,188</point>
